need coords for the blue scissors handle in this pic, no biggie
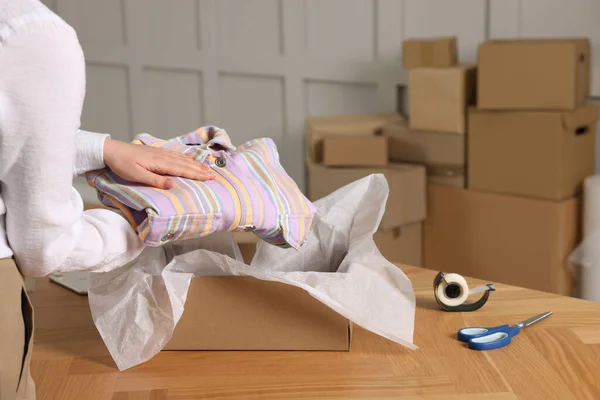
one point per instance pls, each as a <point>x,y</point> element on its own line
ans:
<point>494,340</point>
<point>497,336</point>
<point>466,334</point>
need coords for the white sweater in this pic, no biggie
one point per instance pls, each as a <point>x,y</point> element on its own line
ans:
<point>42,88</point>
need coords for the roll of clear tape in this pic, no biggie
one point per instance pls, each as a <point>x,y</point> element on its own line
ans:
<point>451,292</point>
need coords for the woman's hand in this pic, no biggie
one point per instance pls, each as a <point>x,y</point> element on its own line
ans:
<point>148,165</point>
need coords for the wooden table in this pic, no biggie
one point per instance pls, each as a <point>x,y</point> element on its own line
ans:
<point>558,358</point>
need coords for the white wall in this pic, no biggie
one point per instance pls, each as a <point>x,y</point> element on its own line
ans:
<point>259,67</point>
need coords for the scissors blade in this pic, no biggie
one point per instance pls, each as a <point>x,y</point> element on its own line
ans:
<point>535,319</point>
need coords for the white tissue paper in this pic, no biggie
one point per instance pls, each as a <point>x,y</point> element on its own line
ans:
<point>584,261</point>
<point>136,307</point>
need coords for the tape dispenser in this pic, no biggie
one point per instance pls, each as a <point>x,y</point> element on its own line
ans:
<point>451,291</point>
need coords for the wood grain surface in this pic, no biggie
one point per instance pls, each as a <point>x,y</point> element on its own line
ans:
<point>558,358</point>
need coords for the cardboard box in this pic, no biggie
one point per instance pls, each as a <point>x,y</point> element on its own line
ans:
<point>355,151</point>
<point>92,206</point>
<point>502,239</point>
<point>406,182</point>
<point>438,98</point>
<point>429,52</point>
<point>319,127</point>
<point>244,313</point>
<point>442,154</point>
<point>447,175</point>
<point>247,242</point>
<point>248,250</point>
<point>403,245</point>
<point>423,147</point>
<point>542,74</point>
<point>541,154</point>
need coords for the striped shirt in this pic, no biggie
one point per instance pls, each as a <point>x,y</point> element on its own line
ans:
<point>252,192</point>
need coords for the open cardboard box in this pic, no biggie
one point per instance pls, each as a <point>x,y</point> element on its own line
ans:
<point>252,314</point>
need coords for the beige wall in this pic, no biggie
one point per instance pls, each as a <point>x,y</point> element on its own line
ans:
<point>259,67</point>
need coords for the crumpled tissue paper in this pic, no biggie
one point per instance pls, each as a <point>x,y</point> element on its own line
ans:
<point>136,307</point>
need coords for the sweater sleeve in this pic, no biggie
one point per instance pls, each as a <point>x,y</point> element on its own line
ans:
<point>42,87</point>
<point>89,151</point>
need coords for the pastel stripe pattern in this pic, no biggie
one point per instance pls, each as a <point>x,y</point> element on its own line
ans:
<point>252,192</point>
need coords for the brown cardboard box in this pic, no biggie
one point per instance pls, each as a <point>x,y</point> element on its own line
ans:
<point>442,154</point>
<point>247,242</point>
<point>438,98</point>
<point>92,206</point>
<point>429,52</point>
<point>543,74</point>
<point>423,147</point>
<point>447,175</point>
<point>403,245</point>
<point>342,125</point>
<point>355,151</point>
<point>244,313</point>
<point>248,250</point>
<point>503,239</point>
<point>531,153</point>
<point>406,182</point>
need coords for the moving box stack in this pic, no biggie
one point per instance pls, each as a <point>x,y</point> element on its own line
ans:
<point>439,93</point>
<point>344,148</point>
<point>505,146</point>
<point>530,146</point>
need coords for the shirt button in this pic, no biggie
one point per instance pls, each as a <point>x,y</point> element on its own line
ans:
<point>221,162</point>
<point>168,236</point>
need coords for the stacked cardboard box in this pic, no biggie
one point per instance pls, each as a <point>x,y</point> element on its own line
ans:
<point>344,148</point>
<point>530,146</point>
<point>442,154</point>
<point>439,93</point>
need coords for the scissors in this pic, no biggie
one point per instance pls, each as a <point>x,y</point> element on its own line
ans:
<point>498,336</point>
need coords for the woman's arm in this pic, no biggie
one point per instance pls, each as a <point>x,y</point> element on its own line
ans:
<point>148,165</point>
<point>90,151</point>
<point>42,87</point>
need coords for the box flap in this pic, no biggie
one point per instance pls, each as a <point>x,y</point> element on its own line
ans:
<point>581,117</point>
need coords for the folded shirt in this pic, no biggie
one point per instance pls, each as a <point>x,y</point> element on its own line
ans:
<point>252,192</point>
